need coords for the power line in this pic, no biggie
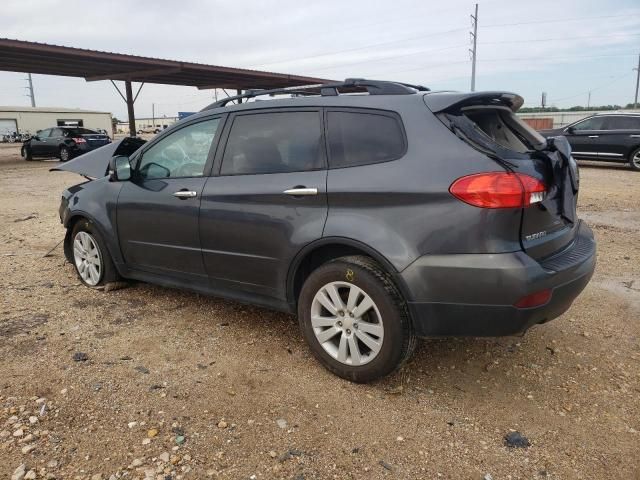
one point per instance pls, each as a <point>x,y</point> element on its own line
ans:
<point>422,67</point>
<point>529,40</point>
<point>517,59</point>
<point>390,57</point>
<point>592,89</point>
<point>563,20</point>
<point>363,47</point>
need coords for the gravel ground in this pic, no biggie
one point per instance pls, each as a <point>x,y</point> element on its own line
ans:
<point>149,382</point>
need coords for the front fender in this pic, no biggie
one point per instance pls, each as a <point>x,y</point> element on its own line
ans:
<point>96,201</point>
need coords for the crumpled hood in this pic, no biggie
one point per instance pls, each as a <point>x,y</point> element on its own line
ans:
<point>94,164</point>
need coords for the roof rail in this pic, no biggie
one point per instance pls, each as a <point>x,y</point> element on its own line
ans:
<point>350,85</point>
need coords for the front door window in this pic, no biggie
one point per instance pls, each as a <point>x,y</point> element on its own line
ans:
<point>182,154</point>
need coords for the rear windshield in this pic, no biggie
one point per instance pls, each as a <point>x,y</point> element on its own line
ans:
<point>503,127</point>
<point>494,130</point>
<point>69,132</point>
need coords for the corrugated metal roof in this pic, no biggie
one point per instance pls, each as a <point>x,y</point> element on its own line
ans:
<point>43,58</point>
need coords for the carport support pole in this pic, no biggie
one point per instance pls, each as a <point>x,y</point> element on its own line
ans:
<point>635,101</point>
<point>130,112</point>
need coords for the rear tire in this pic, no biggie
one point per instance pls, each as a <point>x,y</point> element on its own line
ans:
<point>91,259</point>
<point>26,153</point>
<point>360,346</point>
<point>634,160</point>
<point>65,154</point>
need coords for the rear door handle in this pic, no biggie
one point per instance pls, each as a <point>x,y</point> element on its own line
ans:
<point>184,194</point>
<point>594,136</point>
<point>301,191</point>
<point>634,136</point>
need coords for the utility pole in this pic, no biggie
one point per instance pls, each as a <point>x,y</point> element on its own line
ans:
<point>474,38</point>
<point>153,114</point>
<point>30,88</point>
<point>635,102</point>
<point>589,100</point>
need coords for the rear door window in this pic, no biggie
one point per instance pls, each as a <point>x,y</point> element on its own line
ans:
<point>623,123</point>
<point>363,137</point>
<point>274,142</point>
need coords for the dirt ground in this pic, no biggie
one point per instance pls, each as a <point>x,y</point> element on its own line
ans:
<point>176,385</point>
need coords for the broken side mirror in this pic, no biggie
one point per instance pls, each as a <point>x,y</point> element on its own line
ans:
<point>119,168</point>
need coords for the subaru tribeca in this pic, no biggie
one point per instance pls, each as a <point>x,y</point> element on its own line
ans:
<point>379,212</point>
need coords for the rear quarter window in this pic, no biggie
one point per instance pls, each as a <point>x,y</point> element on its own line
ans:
<point>363,137</point>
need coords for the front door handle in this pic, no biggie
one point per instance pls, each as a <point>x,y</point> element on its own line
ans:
<point>184,194</point>
<point>594,136</point>
<point>301,191</point>
<point>634,136</point>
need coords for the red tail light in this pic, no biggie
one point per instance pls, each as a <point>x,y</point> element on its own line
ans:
<point>498,190</point>
<point>535,299</point>
<point>79,140</point>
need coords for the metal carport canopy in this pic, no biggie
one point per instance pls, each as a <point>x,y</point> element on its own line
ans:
<point>94,65</point>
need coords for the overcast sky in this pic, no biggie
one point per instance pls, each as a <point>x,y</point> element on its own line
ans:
<point>563,47</point>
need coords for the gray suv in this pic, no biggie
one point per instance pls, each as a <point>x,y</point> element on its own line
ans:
<point>380,212</point>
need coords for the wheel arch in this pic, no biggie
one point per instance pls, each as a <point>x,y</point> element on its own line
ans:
<point>329,248</point>
<point>71,222</point>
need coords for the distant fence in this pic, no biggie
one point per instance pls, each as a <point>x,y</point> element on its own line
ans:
<point>539,123</point>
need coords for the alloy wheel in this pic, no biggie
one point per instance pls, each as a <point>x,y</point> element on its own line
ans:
<point>347,323</point>
<point>636,160</point>
<point>64,154</point>
<point>88,258</point>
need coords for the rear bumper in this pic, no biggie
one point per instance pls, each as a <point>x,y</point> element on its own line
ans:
<point>473,295</point>
<point>80,148</point>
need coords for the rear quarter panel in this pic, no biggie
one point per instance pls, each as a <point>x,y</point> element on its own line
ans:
<point>403,208</point>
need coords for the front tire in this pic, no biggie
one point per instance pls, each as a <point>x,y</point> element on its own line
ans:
<point>354,319</point>
<point>634,160</point>
<point>91,258</point>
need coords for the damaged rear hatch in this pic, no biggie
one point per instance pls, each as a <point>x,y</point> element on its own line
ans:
<point>487,122</point>
<point>95,164</point>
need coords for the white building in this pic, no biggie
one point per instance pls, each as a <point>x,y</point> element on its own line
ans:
<point>30,120</point>
<point>159,123</point>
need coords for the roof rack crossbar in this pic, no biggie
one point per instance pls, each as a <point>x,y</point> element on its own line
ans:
<point>372,87</point>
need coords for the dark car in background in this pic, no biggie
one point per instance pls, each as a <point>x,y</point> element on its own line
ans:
<point>378,218</point>
<point>606,137</point>
<point>64,143</point>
